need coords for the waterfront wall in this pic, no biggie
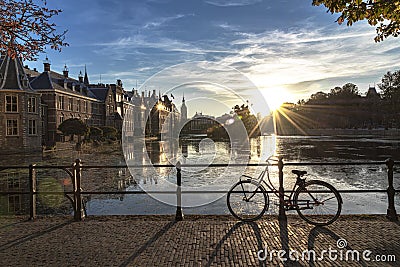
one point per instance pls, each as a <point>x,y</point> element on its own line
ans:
<point>381,132</point>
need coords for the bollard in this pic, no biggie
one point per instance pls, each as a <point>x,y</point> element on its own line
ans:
<point>282,214</point>
<point>78,215</point>
<point>179,214</point>
<point>391,211</point>
<point>32,191</point>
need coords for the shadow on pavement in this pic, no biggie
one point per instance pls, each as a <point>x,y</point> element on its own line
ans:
<point>148,243</point>
<point>237,226</point>
<point>26,238</point>
<point>319,230</point>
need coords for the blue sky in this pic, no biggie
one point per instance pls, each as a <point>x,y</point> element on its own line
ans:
<point>287,49</point>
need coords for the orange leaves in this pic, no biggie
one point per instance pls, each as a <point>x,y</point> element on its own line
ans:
<point>385,11</point>
<point>26,29</point>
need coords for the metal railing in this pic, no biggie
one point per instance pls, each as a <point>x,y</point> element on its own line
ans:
<point>76,199</point>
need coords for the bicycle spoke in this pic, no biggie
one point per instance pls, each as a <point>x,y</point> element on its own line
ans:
<point>318,203</point>
<point>247,201</point>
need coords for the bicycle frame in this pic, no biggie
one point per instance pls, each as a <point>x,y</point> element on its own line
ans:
<point>287,198</point>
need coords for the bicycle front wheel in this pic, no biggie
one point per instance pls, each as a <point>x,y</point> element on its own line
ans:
<point>247,200</point>
<point>318,203</point>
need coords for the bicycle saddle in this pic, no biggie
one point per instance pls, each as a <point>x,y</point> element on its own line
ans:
<point>299,173</point>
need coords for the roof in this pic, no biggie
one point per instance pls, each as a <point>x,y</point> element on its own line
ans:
<point>43,81</point>
<point>12,74</point>
<point>99,93</point>
<point>372,93</point>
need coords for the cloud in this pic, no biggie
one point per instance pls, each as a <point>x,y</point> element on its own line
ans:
<point>227,26</point>
<point>231,3</point>
<point>161,21</point>
<point>305,60</point>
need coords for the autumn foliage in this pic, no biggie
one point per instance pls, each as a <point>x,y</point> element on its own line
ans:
<point>26,28</point>
<point>383,14</point>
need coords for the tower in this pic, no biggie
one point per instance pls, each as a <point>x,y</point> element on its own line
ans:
<point>20,107</point>
<point>183,111</point>
<point>86,79</point>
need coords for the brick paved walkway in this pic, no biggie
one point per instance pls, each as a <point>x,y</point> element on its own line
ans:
<point>196,241</point>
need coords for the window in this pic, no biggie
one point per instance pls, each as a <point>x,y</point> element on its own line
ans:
<point>95,108</point>
<point>85,106</point>
<point>78,105</point>
<point>12,127</point>
<point>32,104</point>
<point>32,127</point>
<point>61,118</point>
<point>60,102</point>
<point>14,203</point>
<point>13,184</point>
<point>70,103</point>
<point>11,103</point>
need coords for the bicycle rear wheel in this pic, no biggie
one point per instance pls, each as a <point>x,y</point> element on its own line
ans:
<point>247,200</point>
<point>318,203</point>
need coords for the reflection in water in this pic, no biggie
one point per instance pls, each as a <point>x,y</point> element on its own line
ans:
<point>205,151</point>
<point>293,149</point>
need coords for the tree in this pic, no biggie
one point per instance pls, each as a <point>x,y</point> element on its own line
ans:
<point>318,97</point>
<point>109,132</point>
<point>384,14</point>
<point>348,91</point>
<point>249,121</point>
<point>26,28</point>
<point>391,85</point>
<point>95,133</point>
<point>73,126</point>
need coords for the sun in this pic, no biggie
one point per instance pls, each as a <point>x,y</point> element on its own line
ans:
<point>276,96</point>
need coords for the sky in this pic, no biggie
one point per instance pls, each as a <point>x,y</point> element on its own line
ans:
<point>287,49</point>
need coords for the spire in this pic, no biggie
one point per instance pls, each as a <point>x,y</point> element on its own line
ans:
<point>12,74</point>
<point>183,110</point>
<point>86,79</point>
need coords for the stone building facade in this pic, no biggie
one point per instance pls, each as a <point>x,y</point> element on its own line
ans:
<point>20,109</point>
<point>33,104</point>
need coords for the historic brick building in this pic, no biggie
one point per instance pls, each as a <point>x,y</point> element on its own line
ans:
<point>20,108</point>
<point>33,104</point>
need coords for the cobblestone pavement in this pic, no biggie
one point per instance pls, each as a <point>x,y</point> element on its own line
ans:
<point>195,241</point>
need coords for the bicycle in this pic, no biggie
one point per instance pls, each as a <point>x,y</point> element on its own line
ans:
<point>317,202</point>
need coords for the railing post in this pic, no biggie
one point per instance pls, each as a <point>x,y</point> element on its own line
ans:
<point>282,214</point>
<point>77,191</point>
<point>179,214</point>
<point>32,192</point>
<point>391,211</point>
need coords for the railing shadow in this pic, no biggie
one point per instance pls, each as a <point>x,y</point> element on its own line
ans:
<point>29,237</point>
<point>318,230</point>
<point>284,238</point>
<point>153,239</point>
<point>238,225</point>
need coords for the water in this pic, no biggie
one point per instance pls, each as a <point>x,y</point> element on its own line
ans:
<point>293,149</point>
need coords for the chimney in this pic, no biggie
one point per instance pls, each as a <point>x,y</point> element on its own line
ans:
<point>46,64</point>
<point>65,71</point>
<point>119,82</point>
<point>80,77</point>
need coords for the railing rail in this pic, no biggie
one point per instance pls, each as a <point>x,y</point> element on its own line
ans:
<point>75,173</point>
